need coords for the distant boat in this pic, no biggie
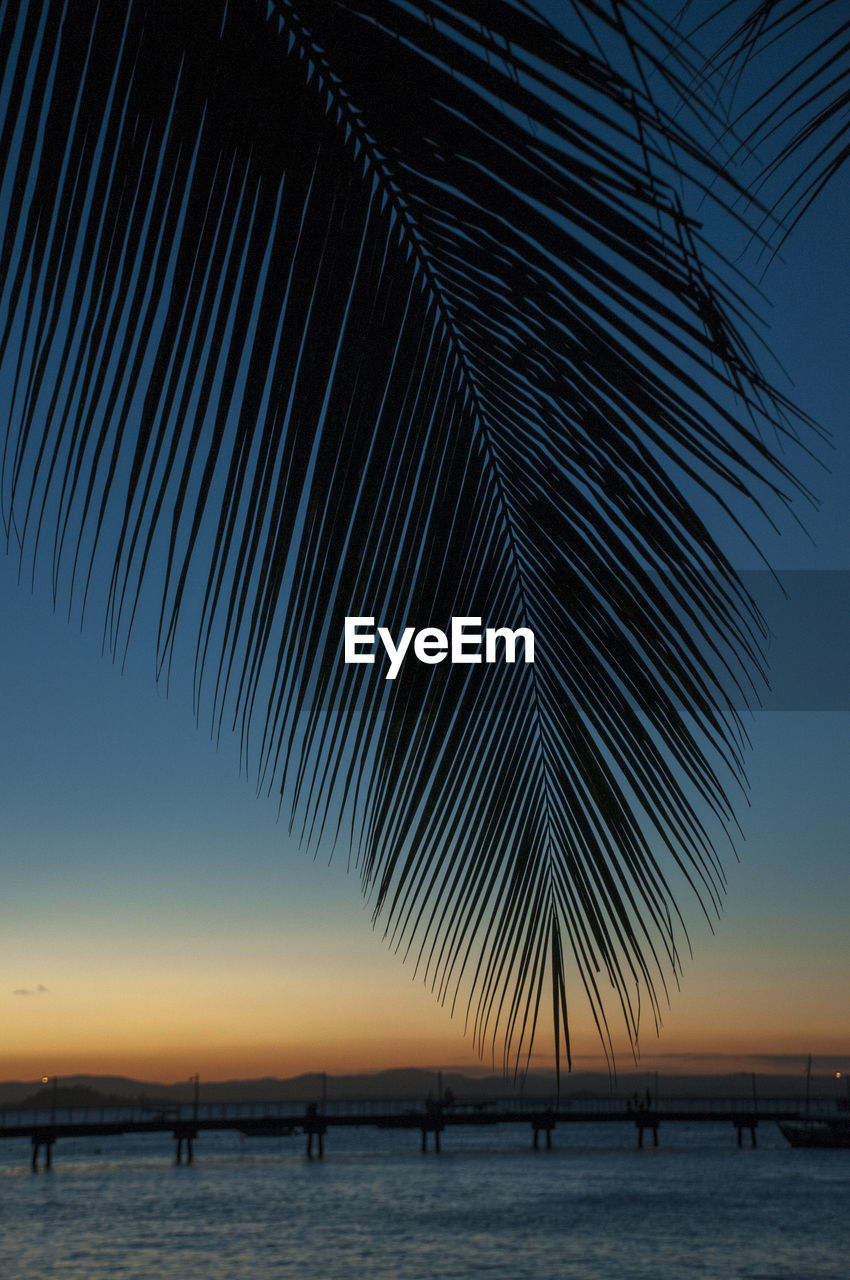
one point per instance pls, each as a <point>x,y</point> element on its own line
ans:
<point>829,1131</point>
<point>818,1131</point>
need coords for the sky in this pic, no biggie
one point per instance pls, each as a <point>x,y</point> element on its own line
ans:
<point>157,919</point>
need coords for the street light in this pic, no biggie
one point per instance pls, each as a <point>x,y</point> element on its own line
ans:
<point>46,1080</point>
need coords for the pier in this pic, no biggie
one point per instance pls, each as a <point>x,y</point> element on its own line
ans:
<point>435,1118</point>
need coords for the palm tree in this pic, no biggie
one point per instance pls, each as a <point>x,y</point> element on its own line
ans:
<point>317,309</point>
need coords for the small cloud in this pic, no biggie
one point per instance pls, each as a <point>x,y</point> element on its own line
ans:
<point>40,990</point>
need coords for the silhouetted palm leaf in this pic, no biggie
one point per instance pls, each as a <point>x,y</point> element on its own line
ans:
<point>791,61</point>
<point>391,308</point>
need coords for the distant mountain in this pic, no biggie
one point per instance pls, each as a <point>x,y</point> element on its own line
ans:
<point>70,1095</point>
<point>403,1085</point>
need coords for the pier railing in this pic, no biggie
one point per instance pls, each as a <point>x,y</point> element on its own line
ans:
<point>368,1111</point>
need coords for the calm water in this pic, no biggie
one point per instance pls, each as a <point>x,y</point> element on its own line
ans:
<point>593,1208</point>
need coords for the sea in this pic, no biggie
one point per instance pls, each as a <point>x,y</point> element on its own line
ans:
<point>594,1207</point>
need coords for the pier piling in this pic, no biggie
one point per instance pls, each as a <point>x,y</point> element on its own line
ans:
<point>185,1134</point>
<point>315,1126</point>
<point>431,1127</point>
<point>647,1121</point>
<point>39,1140</point>
<point>544,1122</point>
<point>320,1136</point>
<point>432,1121</point>
<point>746,1122</point>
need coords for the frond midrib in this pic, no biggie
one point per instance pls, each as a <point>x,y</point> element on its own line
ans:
<point>408,227</point>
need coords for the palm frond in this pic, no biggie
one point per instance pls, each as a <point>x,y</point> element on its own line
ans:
<point>393,309</point>
<point>789,61</point>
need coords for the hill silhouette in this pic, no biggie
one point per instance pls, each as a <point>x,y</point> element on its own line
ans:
<point>404,1085</point>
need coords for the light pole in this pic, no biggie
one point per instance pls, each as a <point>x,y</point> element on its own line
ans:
<point>46,1080</point>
